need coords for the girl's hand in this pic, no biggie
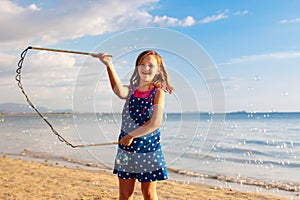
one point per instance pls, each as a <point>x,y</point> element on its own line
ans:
<point>126,140</point>
<point>104,58</point>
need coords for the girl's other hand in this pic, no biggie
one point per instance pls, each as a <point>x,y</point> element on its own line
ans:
<point>104,58</point>
<point>126,140</point>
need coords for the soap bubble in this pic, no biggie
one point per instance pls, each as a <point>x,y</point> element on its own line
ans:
<point>122,159</point>
<point>257,78</point>
<point>284,93</point>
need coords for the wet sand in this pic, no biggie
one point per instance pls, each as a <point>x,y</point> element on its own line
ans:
<point>21,179</point>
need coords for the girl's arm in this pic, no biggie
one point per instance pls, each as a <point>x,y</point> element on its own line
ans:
<point>120,90</point>
<point>152,124</point>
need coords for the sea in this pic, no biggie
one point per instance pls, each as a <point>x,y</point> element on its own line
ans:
<point>255,152</point>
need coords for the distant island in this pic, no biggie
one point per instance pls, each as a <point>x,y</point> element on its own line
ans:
<point>16,109</point>
<point>26,110</point>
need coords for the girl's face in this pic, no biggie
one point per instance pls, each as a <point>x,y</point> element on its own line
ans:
<point>148,69</point>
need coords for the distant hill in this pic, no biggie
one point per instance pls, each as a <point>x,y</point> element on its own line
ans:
<point>12,108</point>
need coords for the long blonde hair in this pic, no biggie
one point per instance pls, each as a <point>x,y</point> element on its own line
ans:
<point>160,80</point>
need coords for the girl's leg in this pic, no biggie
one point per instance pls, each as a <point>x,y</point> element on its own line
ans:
<point>149,190</point>
<point>126,189</point>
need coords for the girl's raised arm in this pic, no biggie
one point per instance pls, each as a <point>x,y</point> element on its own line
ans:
<point>120,90</point>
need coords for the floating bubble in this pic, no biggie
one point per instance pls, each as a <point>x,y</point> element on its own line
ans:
<point>131,47</point>
<point>266,115</point>
<point>50,84</point>
<point>284,93</point>
<point>250,89</point>
<point>257,78</point>
<point>25,131</point>
<point>249,105</point>
<point>122,159</point>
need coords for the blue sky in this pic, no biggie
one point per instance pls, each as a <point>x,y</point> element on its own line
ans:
<point>255,46</point>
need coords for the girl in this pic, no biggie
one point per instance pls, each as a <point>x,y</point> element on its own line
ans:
<point>139,154</point>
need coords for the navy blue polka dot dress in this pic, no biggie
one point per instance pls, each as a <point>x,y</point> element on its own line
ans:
<point>143,159</point>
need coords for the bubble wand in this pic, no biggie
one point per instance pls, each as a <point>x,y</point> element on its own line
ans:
<point>62,51</point>
<point>19,81</point>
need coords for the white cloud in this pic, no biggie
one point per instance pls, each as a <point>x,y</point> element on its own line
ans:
<point>222,15</point>
<point>21,26</point>
<point>214,18</point>
<point>188,21</point>
<point>9,8</point>
<point>290,21</point>
<point>231,83</point>
<point>244,12</point>
<point>47,79</point>
<point>45,69</point>
<point>171,21</point>
<point>34,7</point>
<point>261,57</point>
<point>47,60</point>
<point>50,77</point>
<point>262,78</point>
<point>6,60</point>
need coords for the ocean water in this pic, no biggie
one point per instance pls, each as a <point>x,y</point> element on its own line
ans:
<point>248,151</point>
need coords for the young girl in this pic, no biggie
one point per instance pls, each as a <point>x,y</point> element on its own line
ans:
<point>139,154</point>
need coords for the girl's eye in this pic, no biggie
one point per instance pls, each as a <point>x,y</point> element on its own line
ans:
<point>144,65</point>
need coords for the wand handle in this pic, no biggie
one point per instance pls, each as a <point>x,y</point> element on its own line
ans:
<point>94,145</point>
<point>62,51</point>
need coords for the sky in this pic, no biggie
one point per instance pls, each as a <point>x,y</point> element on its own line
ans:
<point>253,46</point>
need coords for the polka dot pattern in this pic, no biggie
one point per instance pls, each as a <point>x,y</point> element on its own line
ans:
<point>144,157</point>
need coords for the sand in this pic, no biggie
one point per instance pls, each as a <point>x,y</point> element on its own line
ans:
<point>20,179</point>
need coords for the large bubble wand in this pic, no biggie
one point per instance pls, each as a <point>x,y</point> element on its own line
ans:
<point>18,79</point>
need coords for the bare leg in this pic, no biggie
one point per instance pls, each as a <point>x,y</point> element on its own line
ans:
<point>126,189</point>
<point>149,190</point>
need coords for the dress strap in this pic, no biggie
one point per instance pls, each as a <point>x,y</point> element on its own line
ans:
<point>153,91</point>
<point>151,96</point>
<point>131,89</point>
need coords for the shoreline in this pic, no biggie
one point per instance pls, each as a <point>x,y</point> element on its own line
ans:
<point>22,179</point>
<point>243,184</point>
<point>54,113</point>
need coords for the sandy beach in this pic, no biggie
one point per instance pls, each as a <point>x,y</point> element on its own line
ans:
<point>20,179</point>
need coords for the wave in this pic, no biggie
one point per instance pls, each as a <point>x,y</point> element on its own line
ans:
<point>293,129</point>
<point>271,143</point>
<point>269,184</point>
<point>280,185</point>
<point>240,150</point>
<point>48,156</point>
<point>258,161</point>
